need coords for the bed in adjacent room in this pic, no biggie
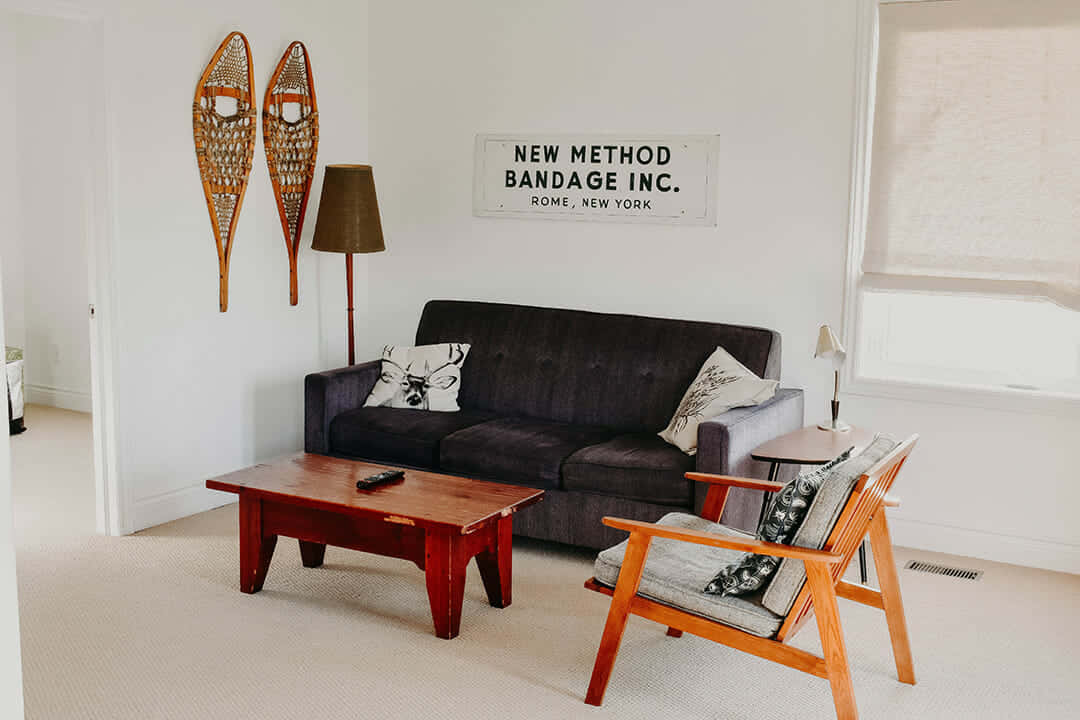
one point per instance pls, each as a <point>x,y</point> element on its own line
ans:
<point>14,362</point>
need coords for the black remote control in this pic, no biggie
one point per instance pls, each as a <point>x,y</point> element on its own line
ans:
<point>385,476</point>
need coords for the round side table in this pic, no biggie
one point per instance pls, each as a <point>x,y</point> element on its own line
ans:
<point>812,446</point>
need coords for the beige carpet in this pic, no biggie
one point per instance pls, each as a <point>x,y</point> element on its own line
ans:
<point>153,626</point>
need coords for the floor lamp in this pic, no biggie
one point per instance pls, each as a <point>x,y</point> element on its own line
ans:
<point>348,222</point>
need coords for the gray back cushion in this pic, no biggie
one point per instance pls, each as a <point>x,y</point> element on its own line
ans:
<point>618,371</point>
<point>819,522</point>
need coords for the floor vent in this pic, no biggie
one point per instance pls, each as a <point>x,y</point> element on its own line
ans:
<point>945,570</point>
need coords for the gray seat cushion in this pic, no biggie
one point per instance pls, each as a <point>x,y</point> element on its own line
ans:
<point>819,522</point>
<point>636,467</point>
<point>397,435</point>
<point>676,572</point>
<point>524,451</point>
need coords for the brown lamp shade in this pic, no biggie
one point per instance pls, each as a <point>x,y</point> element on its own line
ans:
<point>348,220</point>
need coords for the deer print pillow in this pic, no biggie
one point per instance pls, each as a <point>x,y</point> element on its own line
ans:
<point>722,383</point>
<point>426,377</point>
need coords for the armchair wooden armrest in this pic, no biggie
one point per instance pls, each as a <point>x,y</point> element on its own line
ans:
<point>636,527</point>
<point>719,485</point>
<point>739,482</point>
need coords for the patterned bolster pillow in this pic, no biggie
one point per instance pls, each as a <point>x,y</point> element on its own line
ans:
<point>787,509</point>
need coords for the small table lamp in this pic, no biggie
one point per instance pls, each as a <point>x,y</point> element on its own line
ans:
<point>348,222</point>
<point>828,346</point>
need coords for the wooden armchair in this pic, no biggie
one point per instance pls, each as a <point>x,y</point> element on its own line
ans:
<point>862,514</point>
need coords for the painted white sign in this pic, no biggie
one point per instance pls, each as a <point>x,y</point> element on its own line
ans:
<point>645,178</point>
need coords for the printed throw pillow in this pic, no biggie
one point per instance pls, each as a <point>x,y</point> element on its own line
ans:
<point>425,377</point>
<point>721,384</point>
<point>788,507</point>
<point>785,513</point>
<point>743,577</point>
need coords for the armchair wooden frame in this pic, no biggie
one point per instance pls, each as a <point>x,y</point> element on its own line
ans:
<point>863,514</point>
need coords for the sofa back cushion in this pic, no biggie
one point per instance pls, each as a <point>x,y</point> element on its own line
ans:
<point>618,371</point>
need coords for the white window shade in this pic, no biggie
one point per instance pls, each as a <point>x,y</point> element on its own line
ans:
<point>975,164</point>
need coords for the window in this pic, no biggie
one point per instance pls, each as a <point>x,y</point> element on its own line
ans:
<point>968,271</point>
<point>989,342</point>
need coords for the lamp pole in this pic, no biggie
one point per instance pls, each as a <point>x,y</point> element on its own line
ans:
<point>836,398</point>
<point>349,305</point>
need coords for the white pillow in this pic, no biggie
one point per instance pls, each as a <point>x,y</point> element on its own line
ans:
<point>426,377</point>
<point>721,384</point>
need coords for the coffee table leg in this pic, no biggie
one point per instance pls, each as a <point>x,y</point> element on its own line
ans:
<point>495,563</point>
<point>312,553</point>
<point>256,549</point>
<point>444,565</point>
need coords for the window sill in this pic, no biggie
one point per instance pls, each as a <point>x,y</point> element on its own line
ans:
<point>986,397</point>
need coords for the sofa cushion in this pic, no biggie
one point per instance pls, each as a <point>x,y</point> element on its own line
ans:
<point>821,517</point>
<point>675,572</point>
<point>396,435</point>
<point>524,451</point>
<point>636,467</point>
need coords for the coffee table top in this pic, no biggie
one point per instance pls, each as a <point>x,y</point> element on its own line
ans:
<point>421,498</point>
<point>811,445</point>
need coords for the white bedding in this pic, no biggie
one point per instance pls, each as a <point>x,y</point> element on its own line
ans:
<point>15,387</point>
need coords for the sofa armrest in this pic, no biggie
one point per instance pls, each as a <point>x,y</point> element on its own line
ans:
<point>328,394</point>
<point>726,441</point>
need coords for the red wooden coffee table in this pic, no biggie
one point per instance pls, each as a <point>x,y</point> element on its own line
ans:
<point>439,522</point>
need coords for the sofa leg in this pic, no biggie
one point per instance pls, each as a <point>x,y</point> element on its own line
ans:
<point>673,632</point>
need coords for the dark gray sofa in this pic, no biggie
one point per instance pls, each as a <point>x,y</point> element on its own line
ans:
<point>568,401</point>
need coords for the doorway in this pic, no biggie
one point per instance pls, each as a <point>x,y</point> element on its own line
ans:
<point>54,187</point>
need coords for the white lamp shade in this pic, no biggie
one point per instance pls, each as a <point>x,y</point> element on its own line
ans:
<point>829,346</point>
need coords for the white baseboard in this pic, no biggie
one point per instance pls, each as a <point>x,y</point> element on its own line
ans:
<point>174,505</point>
<point>58,397</point>
<point>1011,549</point>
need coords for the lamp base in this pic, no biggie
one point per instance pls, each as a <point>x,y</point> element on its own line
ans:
<point>838,426</point>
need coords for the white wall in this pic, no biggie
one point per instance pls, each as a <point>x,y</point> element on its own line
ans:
<point>773,80</point>
<point>201,392</point>
<point>198,392</point>
<point>10,243</point>
<point>51,132</point>
<point>776,82</point>
<point>11,699</point>
<point>990,483</point>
